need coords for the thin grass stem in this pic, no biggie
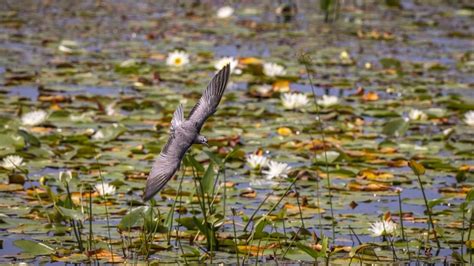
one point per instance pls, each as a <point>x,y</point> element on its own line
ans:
<point>255,212</point>
<point>106,213</point>
<point>428,209</point>
<point>323,137</point>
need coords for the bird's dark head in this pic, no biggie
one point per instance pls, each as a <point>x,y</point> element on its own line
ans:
<point>201,140</point>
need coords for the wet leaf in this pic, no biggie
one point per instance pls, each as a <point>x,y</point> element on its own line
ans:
<point>11,187</point>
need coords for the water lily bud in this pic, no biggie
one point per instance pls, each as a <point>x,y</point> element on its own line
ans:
<point>416,167</point>
<point>65,177</point>
<point>42,181</point>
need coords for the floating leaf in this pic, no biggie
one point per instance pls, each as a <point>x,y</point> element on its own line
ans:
<point>34,248</point>
<point>71,213</point>
<point>370,96</point>
<point>105,255</point>
<point>390,63</point>
<point>284,131</point>
<point>109,133</point>
<point>11,187</point>
<point>395,127</point>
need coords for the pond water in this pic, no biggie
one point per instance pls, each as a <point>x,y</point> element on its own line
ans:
<point>98,69</point>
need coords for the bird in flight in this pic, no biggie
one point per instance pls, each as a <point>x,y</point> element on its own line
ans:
<point>184,133</point>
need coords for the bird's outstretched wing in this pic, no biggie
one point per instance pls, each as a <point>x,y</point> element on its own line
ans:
<point>178,118</point>
<point>210,99</point>
<point>167,163</point>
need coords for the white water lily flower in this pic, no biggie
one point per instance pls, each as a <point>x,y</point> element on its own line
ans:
<point>273,70</point>
<point>383,228</point>
<point>34,118</point>
<point>344,56</point>
<point>228,60</point>
<point>129,63</point>
<point>65,176</point>
<point>328,100</point>
<point>12,162</point>
<point>415,114</point>
<point>469,118</point>
<point>110,109</point>
<point>98,135</point>
<point>177,59</point>
<point>105,189</point>
<point>68,46</point>
<point>448,131</point>
<point>225,12</point>
<point>256,161</point>
<point>294,101</point>
<point>276,169</point>
<point>263,89</point>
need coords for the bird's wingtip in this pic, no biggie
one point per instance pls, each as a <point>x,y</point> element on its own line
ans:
<point>226,68</point>
<point>148,194</point>
<point>146,197</point>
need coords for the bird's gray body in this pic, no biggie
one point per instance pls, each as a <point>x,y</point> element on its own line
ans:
<point>184,133</point>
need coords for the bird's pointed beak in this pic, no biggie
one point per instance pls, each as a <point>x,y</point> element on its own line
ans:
<point>207,145</point>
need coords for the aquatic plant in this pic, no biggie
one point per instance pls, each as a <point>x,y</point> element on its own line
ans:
<point>177,58</point>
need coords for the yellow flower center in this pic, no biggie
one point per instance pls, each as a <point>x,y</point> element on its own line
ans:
<point>178,61</point>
